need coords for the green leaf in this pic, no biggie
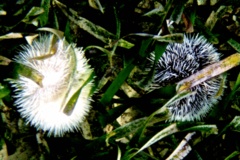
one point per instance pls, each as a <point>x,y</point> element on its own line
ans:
<point>171,129</point>
<point>119,153</point>
<point>95,30</point>
<point>234,44</point>
<point>159,50</point>
<point>166,10</point>
<point>233,92</point>
<point>3,147</point>
<point>162,13</point>
<point>178,10</point>
<point>163,111</point>
<point>4,91</point>
<point>126,129</point>
<point>192,16</point>
<point>30,18</point>
<point>116,84</point>
<point>72,101</point>
<point>232,155</point>
<point>156,11</point>
<point>43,18</point>
<point>30,73</point>
<point>212,129</point>
<point>67,32</point>
<point>144,45</point>
<point>206,32</point>
<point>214,17</point>
<point>234,124</point>
<point>165,92</point>
<point>160,135</point>
<point>172,38</point>
<point>56,32</point>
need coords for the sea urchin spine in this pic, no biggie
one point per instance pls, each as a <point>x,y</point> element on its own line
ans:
<point>63,74</point>
<point>180,61</point>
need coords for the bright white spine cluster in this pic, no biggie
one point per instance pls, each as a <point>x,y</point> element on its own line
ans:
<point>179,61</point>
<point>63,74</point>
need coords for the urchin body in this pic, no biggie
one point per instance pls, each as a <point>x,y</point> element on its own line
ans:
<point>179,61</point>
<point>43,105</point>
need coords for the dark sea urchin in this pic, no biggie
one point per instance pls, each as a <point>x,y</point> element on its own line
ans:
<point>179,61</point>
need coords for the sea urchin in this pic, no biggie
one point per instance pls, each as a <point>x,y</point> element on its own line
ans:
<point>178,62</point>
<point>65,77</point>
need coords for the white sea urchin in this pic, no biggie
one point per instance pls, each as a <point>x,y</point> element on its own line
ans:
<point>179,61</point>
<point>64,74</point>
